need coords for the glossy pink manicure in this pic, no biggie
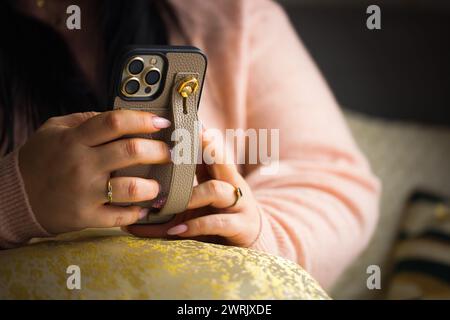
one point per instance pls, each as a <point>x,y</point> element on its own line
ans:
<point>143,213</point>
<point>177,229</point>
<point>160,123</point>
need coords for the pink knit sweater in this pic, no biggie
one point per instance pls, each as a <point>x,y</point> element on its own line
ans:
<point>322,206</point>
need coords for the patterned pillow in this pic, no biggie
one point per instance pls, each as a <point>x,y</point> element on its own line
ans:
<point>421,256</point>
<point>114,265</point>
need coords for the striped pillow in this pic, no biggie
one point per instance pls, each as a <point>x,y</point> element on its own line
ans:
<point>421,255</point>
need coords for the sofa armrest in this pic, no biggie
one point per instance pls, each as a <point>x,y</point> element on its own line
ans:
<point>114,265</point>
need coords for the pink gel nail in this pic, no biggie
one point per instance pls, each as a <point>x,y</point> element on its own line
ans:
<point>143,213</point>
<point>160,123</point>
<point>177,229</point>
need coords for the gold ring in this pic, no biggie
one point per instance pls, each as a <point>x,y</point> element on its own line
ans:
<point>238,194</point>
<point>109,193</point>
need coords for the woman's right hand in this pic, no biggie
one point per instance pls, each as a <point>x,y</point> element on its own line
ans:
<point>66,165</point>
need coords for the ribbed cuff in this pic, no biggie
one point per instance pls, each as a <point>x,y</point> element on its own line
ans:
<point>266,240</point>
<point>17,221</point>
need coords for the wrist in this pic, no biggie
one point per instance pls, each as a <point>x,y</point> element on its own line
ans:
<point>18,223</point>
<point>265,240</point>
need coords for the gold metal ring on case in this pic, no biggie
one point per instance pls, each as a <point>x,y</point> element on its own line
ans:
<point>187,87</point>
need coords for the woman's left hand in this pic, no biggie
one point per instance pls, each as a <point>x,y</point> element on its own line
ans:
<point>211,211</point>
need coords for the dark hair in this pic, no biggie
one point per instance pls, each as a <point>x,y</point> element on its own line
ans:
<point>40,79</point>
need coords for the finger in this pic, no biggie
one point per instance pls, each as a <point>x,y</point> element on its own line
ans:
<point>160,230</point>
<point>201,171</point>
<point>109,216</point>
<point>128,152</point>
<point>148,230</point>
<point>215,193</point>
<point>71,120</point>
<point>225,225</point>
<point>130,189</point>
<point>218,160</point>
<point>112,125</point>
<point>153,230</point>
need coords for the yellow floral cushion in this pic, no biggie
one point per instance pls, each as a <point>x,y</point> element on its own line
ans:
<point>114,265</point>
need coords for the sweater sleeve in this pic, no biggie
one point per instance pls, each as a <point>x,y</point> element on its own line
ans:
<point>321,207</point>
<point>17,222</point>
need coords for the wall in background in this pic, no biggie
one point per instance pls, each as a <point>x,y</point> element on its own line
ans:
<point>434,4</point>
<point>399,72</point>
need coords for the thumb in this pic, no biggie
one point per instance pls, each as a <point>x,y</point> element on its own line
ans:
<point>220,163</point>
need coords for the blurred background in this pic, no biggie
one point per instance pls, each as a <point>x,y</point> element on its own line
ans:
<point>394,87</point>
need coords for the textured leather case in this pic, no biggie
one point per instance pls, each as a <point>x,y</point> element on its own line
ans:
<point>176,180</point>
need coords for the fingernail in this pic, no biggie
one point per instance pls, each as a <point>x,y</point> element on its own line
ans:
<point>177,229</point>
<point>143,213</point>
<point>160,123</point>
<point>159,187</point>
<point>159,203</point>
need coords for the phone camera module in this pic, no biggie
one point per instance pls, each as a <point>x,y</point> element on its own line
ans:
<point>136,66</point>
<point>141,77</point>
<point>152,77</point>
<point>131,87</point>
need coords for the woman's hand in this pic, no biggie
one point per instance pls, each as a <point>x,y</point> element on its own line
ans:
<point>211,211</point>
<point>66,165</point>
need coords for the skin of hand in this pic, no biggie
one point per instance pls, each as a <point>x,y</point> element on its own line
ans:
<point>209,212</point>
<point>66,164</point>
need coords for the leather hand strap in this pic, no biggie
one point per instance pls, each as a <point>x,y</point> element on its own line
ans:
<point>185,123</point>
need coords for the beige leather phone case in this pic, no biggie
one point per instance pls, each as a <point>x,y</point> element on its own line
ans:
<point>176,180</point>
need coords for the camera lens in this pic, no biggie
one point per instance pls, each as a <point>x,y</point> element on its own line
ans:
<point>132,86</point>
<point>135,66</point>
<point>152,77</point>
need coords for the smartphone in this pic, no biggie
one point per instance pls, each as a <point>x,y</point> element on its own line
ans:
<point>166,81</point>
